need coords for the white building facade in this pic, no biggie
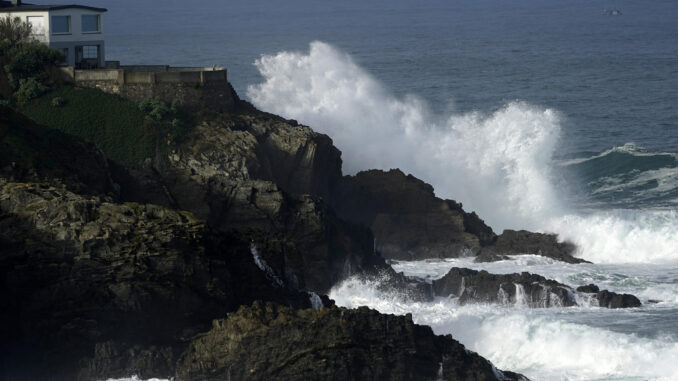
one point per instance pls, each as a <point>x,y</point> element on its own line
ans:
<point>76,30</point>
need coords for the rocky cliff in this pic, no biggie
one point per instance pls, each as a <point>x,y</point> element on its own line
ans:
<point>271,342</point>
<point>112,270</point>
<point>80,270</point>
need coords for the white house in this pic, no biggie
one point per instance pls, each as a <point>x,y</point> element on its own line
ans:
<point>76,30</point>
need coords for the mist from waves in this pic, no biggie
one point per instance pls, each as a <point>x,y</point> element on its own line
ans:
<point>499,164</point>
<point>570,343</point>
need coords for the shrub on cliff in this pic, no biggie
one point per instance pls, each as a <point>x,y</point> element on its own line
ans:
<point>29,88</point>
<point>28,60</point>
<point>172,121</point>
<point>23,58</point>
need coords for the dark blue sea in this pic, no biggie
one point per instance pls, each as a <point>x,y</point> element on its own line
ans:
<point>556,116</point>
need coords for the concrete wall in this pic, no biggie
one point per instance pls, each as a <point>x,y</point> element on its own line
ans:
<point>194,89</point>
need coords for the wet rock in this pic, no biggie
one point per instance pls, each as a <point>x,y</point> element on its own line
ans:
<point>590,288</point>
<point>487,255</point>
<point>268,341</point>
<point>512,242</point>
<point>613,300</point>
<point>407,220</point>
<point>527,289</point>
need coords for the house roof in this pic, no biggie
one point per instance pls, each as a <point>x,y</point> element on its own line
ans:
<point>7,6</point>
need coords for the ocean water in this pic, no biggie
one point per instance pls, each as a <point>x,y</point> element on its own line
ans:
<point>540,114</point>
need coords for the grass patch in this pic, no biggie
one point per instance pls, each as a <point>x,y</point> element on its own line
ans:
<point>117,126</point>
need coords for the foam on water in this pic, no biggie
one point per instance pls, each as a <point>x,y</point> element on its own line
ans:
<point>647,281</point>
<point>498,164</point>
<point>543,344</point>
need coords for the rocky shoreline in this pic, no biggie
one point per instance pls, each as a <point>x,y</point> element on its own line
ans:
<point>212,260</point>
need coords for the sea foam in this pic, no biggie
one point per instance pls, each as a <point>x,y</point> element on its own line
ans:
<point>541,343</point>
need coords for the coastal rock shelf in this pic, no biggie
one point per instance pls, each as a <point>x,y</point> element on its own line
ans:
<point>524,289</point>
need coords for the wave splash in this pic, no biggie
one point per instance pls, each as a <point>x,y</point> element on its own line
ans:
<point>498,164</point>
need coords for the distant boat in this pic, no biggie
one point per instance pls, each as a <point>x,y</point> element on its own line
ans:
<point>612,12</point>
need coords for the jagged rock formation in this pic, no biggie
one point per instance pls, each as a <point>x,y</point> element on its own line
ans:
<point>527,289</point>
<point>524,289</point>
<point>407,220</point>
<point>262,172</point>
<point>610,299</point>
<point>79,270</point>
<point>267,342</point>
<point>512,242</point>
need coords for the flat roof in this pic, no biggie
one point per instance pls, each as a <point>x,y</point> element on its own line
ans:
<point>7,6</point>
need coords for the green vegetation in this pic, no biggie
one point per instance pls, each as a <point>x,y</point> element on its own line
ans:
<point>114,124</point>
<point>29,89</point>
<point>125,131</point>
<point>28,67</point>
<point>171,121</point>
<point>22,141</point>
<point>58,102</point>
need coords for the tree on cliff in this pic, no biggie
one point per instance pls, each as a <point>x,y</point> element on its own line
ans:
<point>26,64</point>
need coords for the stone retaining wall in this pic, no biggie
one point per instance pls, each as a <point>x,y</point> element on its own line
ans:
<point>192,87</point>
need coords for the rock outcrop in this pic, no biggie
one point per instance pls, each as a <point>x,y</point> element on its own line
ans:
<point>261,172</point>
<point>526,289</point>
<point>610,299</point>
<point>410,223</point>
<point>512,242</point>
<point>407,220</point>
<point>79,270</point>
<point>268,341</point>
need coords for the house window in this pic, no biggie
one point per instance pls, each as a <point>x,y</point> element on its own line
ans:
<point>65,52</point>
<point>37,24</point>
<point>90,51</point>
<point>90,24</point>
<point>61,24</point>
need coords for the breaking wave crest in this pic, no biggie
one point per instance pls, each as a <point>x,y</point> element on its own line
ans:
<point>499,164</point>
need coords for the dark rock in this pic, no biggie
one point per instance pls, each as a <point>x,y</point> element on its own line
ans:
<point>480,286</point>
<point>486,255</point>
<point>512,242</point>
<point>259,172</point>
<point>267,341</point>
<point>407,220</point>
<point>613,300</point>
<point>79,270</point>
<point>591,289</point>
<point>122,358</point>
